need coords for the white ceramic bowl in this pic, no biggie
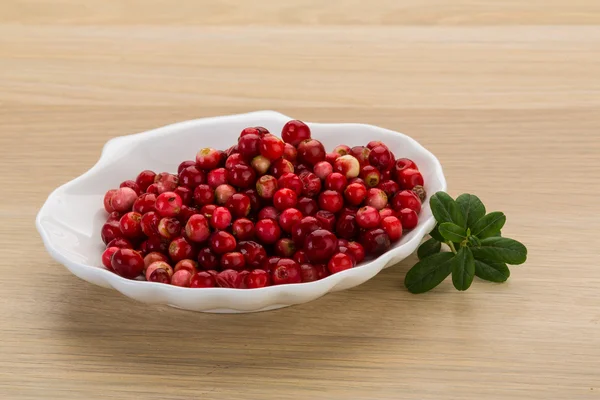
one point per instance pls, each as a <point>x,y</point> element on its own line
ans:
<point>70,220</point>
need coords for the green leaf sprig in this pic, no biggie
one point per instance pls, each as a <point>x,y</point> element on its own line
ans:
<point>476,246</point>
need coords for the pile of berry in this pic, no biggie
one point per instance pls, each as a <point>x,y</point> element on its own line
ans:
<point>264,212</point>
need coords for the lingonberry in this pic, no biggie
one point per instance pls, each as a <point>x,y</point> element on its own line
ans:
<point>267,231</point>
<point>357,180</point>
<point>389,187</point>
<point>288,218</point>
<point>197,229</point>
<point>249,145</point>
<point>202,279</point>
<point>127,263</point>
<point>370,175</point>
<point>266,186</point>
<point>295,132</point>
<point>185,164</point>
<point>270,263</point>
<point>122,199</point>
<point>322,271</point>
<point>300,168</point>
<point>187,264</point>
<point>300,257</point>
<point>387,174</point>
<point>375,241</point>
<point>331,157</point>
<point>368,217</point>
<point>309,273</point>
<point>307,206</point>
<point>153,189</point>
<point>331,201</point>
<point>254,253</point>
<point>311,184</point>
<point>233,260</point>
<point>223,193</point>
<point>268,212</point>
<point>204,194</point>
<point>186,213</point>
<point>166,182</point>
<point>145,179</point>
<point>376,198</point>
<point>130,225</point>
<point>181,278</point>
<point>257,278</point>
<point>351,210</point>
<point>231,151</point>
<point>242,176</point>
<point>243,229</point>
<point>357,251</point>
<point>132,185</point>
<point>168,204</point>
<point>303,228</point>
<point>191,177</point>
<point>145,203</point>
<point>217,177</point>
<point>221,218</point>
<point>342,242</point>
<point>261,164</point>
<point>320,245</point>
<point>222,242</point>
<point>374,143</point>
<point>402,164</point>
<point>407,179</point>
<point>290,153</point>
<point>159,271</point>
<point>121,243</point>
<point>420,192</point>
<point>346,227</point>
<point>114,216</point>
<point>409,218</point>
<point>290,181</point>
<point>285,247</point>
<point>281,167</point>
<point>111,230</point>
<point>311,152</point>
<point>107,257</point>
<point>386,212</point>
<point>180,248</point>
<point>251,131</point>
<point>355,194</point>
<point>153,257</point>
<point>322,169</point>
<point>207,259</point>
<point>255,202</point>
<point>340,262</point>
<point>326,219</point>
<point>406,199</point>
<point>271,147</point>
<point>361,153</point>
<point>186,195</point>
<point>239,205</point>
<point>393,227</point>
<point>207,210</point>
<point>287,271</point>
<point>342,150</point>
<point>230,279</point>
<point>336,181</point>
<point>156,243</point>
<point>208,158</point>
<point>347,165</point>
<point>284,199</point>
<point>381,158</point>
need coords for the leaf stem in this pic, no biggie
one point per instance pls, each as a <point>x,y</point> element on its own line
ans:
<point>451,245</point>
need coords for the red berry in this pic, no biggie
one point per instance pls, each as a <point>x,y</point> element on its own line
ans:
<point>342,150</point>
<point>381,158</point>
<point>331,201</point>
<point>204,194</point>
<point>249,145</point>
<point>376,198</point>
<point>202,279</point>
<point>268,212</point>
<point>361,153</point>
<point>407,179</point>
<point>132,185</point>
<point>307,206</point>
<point>169,228</point>
<point>157,244</point>
<point>303,228</point>
<point>266,186</point>
<point>281,167</point>
<point>368,217</point>
<point>255,202</point>
<point>127,263</point>
<point>290,153</point>
<point>191,177</point>
<point>251,131</point>
<point>197,229</point>
<point>284,198</point>
<point>389,187</point>
<point>207,210</point>
<point>223,193</point>
<point>402,164</point>
<point>257,278</point>
<point>186,213</point>
<point>287,271</point>
<point>311,151</point>
<point>186,195</point>
<point>290,181</point>
<point>311,184</point>
<point>340,262</point>
<point>107,257</point>
<point>153,257</point>
<point>159,271</point>
<point>288,218</point>
<point>181,278</point>
<point>374,143</point>
<point>370,175</point>
<point>346,227</point>
<point>145,203</point>
<point>222,242</point>
<point>184,165</point>
<point>180,249</point>
<point>336,181</point>
<point>242,176</point>
<point>409,218</point>
<point>111,230</point>
<point>300,168</point>
<point>122,199</point>
<point>355,194</point>
<point>150,224</point>
<point>121,243</point>
<point>168,204</point>
<point>331,157</point>
<point>271,147</point>
<point>254,253</point>
<point>114,216</point>
<point>217,177</point>
<point>107,200</point>
<point>243,229</point>
<point>267,231</point>
<point>221,218</point>
<point>375,241</point>
<point>386,212</point>
<point>309,273</point>
<point>295,132</point>
<point>322,169</point>
<point>270,263</point>
<point>320,245</point>
<point>406,199</point>
<point>166,182</point>
<point>130,225</point>
<point>230,279</point>
<point>187,264</point>
<point>357,180</point>
<point>347,165</point>
<point>300,257</point>
<point>357,251</point>
<point>285,247</point>
<point>326,219</point>
<point>260,164</point>
<point>208,158</point>
<point>153,189</point>
<point>233,160</point>
<point>145,179</point>
<point>233,260</point>
<point>393,228</point>
<point>207,259</point>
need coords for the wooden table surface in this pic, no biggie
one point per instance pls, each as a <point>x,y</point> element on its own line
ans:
<point>506,93</point>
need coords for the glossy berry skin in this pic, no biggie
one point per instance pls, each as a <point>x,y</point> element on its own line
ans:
<point>331,157</point>
<point>346,227</point>
<point>361,154</point>
<point>221,218</point>
<point>406,199</point>
<point>370,175</point>
<point>285,247</point>
<point>186,195</point>
<point>153,257</point>
<point>368,217</point>
<point>320,245</point>
<point>159,271</point>
<point>342,150</point>
<point>166,182</point>
<point>231,279</point>
<point>181,278</point>
<point>402,164</point>
<point>267,231</point>
<point>409,218</point>
<point>301,230</point>
<point>180,249</point>
<point>243,229</point>
<point>347,165</point>
<point>111,230</point>
<point>145,179</point>
<point>331,201</point>
<point>288,218</point>
<point>309,273</point>
<point>127,263</point>
<point>249,145</point>
<point>122,199</point>
<point>208,158</point>
<point>107,200</point>
<point>234,159</point>
<point>260,164</point>
<point>284,199</point>
<point>287,271</point>
<point>254,253</point>
<point>307,206</point>
<point>207,259</point>
<point>202,279</point>
<point>132,185</point>
<point>300,168</point>
<point>374,143</point>
<point>191,177</point>
<point>270,263</point>
<point>217,177</point>
<point>187,264</point>
<point>300,257</point>
<point>114,216</point>
<point>295,132</point>
<point>257,278</point>
<point>130,225</point>
<point>357,251</point>
<point>386,212</point>
<point>266,186</point>
<point>326,219</point>
<point>168,204</point>
<point>233,260</point>
<point>389,187</point>
<point>251,131</point>
<point>121,243</point>
<point>290,181</point>
<point>376,198</point>
<point>145,203</point>
<point>290,153</point>
<point>310,152</point>
<point>204,194</point>
<point>255,202</point>
<point>407,179</point>
<point>271,147</point>
<point>340,262</point>
<point>311,184</point>
<point>186,213</point>
<point>185,164</point>
<point>322,169</point>
<point>156,243</point>
<point>336,181</point>
<point>268,212</point>
<point>222,242</point>
<point>153,189</point>
<point>381,158</point>
<point>242,176</point>
<point>375,241</point>
<point>197,229</point>
<point>281,167</point>
<point>393,227</point>
<point>355,194</point>
<point>223,193</point>
<point>107,257</point>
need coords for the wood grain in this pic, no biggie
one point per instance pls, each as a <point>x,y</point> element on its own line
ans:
<point>506,93</point>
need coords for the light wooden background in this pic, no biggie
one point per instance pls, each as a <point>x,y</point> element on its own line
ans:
<point>506,93</point>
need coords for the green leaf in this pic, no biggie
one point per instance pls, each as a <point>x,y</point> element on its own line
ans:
<point>453,232</point>
<point>463,269</point>
<point>435,233</point>
<point>489,225</point>
<point>445,209</point>
<point>500,249</point>
<point>474,241</point>
<point>429,272</point>
<point>490,271</point>
<point>428,248</point>
<point>472,208</point>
